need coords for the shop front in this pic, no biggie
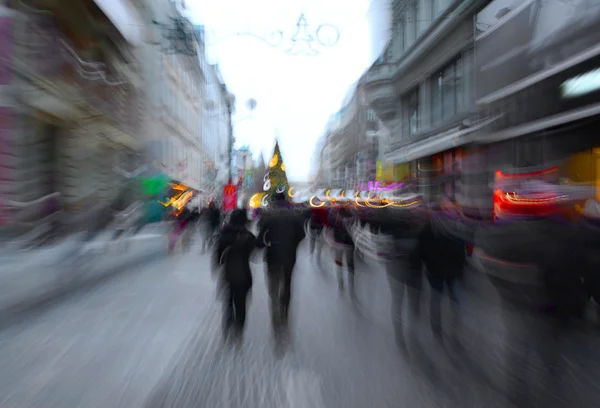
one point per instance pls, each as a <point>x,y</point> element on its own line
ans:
<point>544,80</point>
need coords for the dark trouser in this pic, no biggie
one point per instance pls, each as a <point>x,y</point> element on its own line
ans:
<point>315,235</point>
<point>279,280</point>
<point>346,252</point>
<point>438,285</point>
<point>404,281</point>
<point>234,308</point>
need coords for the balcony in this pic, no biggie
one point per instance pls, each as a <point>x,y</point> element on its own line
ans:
<point>378,90</point>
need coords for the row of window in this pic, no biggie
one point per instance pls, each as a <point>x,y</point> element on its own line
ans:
<point>410,19</point>
<point>438,99</point>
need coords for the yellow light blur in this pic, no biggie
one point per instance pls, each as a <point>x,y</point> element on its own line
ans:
<point>368,203</point>
<point>172,199</point>
<point>274,161</point>
<point>405,205</point>
<point>183,200</point>
<point>342,193</point>
<point>256,199</point>
<point>179,187</point>
<point>290,193</point>
<point>327,194</point>
<point>282,167</point>
<point>315,205</point>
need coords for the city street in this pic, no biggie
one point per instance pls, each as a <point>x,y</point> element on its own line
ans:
<point>151,338</point>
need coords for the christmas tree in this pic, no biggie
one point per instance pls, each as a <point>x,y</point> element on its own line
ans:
<point>276,179</point>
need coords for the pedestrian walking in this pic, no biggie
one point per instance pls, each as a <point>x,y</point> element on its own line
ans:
<point>318,220</point>
<point>339,219</point>
<point>280,232</point>
<point>444,256</point>
<point>231,264</point>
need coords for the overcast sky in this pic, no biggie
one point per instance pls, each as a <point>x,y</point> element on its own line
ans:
<point>295,94</point>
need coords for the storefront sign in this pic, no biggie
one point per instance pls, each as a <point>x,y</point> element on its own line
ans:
<point>379,170</point>
<point>230,197</point>
<point>581,84</point>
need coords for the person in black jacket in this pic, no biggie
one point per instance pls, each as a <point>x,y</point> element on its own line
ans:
<point>339,219</point>
<point>231,260</point>
<point>444,256</point>
<point>213,221</point>
<point>280,231</point>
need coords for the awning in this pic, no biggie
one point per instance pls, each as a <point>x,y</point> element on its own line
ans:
<point>438,143</point>
<point>125,19</point>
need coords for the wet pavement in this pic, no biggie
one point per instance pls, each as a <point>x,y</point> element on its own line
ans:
<point>150,338</point>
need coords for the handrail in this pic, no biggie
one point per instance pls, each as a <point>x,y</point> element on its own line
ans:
<point>17,204</point>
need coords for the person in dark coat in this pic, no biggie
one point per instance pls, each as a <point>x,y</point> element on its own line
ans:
<point>318,220</point>
<point>444,256</point>
<point>280,232</point>
<point>339,219</point>
<point>231,260</point>
<point>213,221</point>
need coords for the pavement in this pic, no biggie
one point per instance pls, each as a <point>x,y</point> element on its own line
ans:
<point>151,339</point>
<point>29,279</point>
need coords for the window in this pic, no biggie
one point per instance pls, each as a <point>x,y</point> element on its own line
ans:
<point>459,85</point>
<point>448,91</point>
<point>371,116</point>
<point>447,95</point>
<point>412,111</point>
<point>436,98</point>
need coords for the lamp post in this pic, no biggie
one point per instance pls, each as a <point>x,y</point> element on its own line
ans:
<point>231,124</point>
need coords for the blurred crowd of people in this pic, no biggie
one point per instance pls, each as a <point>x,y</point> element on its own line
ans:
<point>543,267</point>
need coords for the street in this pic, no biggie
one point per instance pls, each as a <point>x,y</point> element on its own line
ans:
<point>151,338</point>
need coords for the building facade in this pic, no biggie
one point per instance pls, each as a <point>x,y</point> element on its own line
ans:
<point>217,136</point>
<point>538,67</point>
<point>188,128</point>
<point>72,106</point>
<point>176,84</point>
<point>423,91</point>
<point>469,87</point>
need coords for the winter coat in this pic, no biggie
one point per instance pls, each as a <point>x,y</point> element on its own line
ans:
<point>232,254</point>
<point>281,231</point>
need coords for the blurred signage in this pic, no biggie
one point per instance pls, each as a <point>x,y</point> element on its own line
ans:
<point>379,170</point>
<point>249,178</point>
<point>229,197</point>
<point>581,84</point>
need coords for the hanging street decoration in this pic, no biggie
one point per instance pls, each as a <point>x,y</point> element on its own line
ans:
<point>306,39</point>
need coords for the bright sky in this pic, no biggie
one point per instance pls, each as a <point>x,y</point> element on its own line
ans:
<point>295,94</point>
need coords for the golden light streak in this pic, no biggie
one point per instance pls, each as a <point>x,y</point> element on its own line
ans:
<point>255,200</point>
<point>315,205</point>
